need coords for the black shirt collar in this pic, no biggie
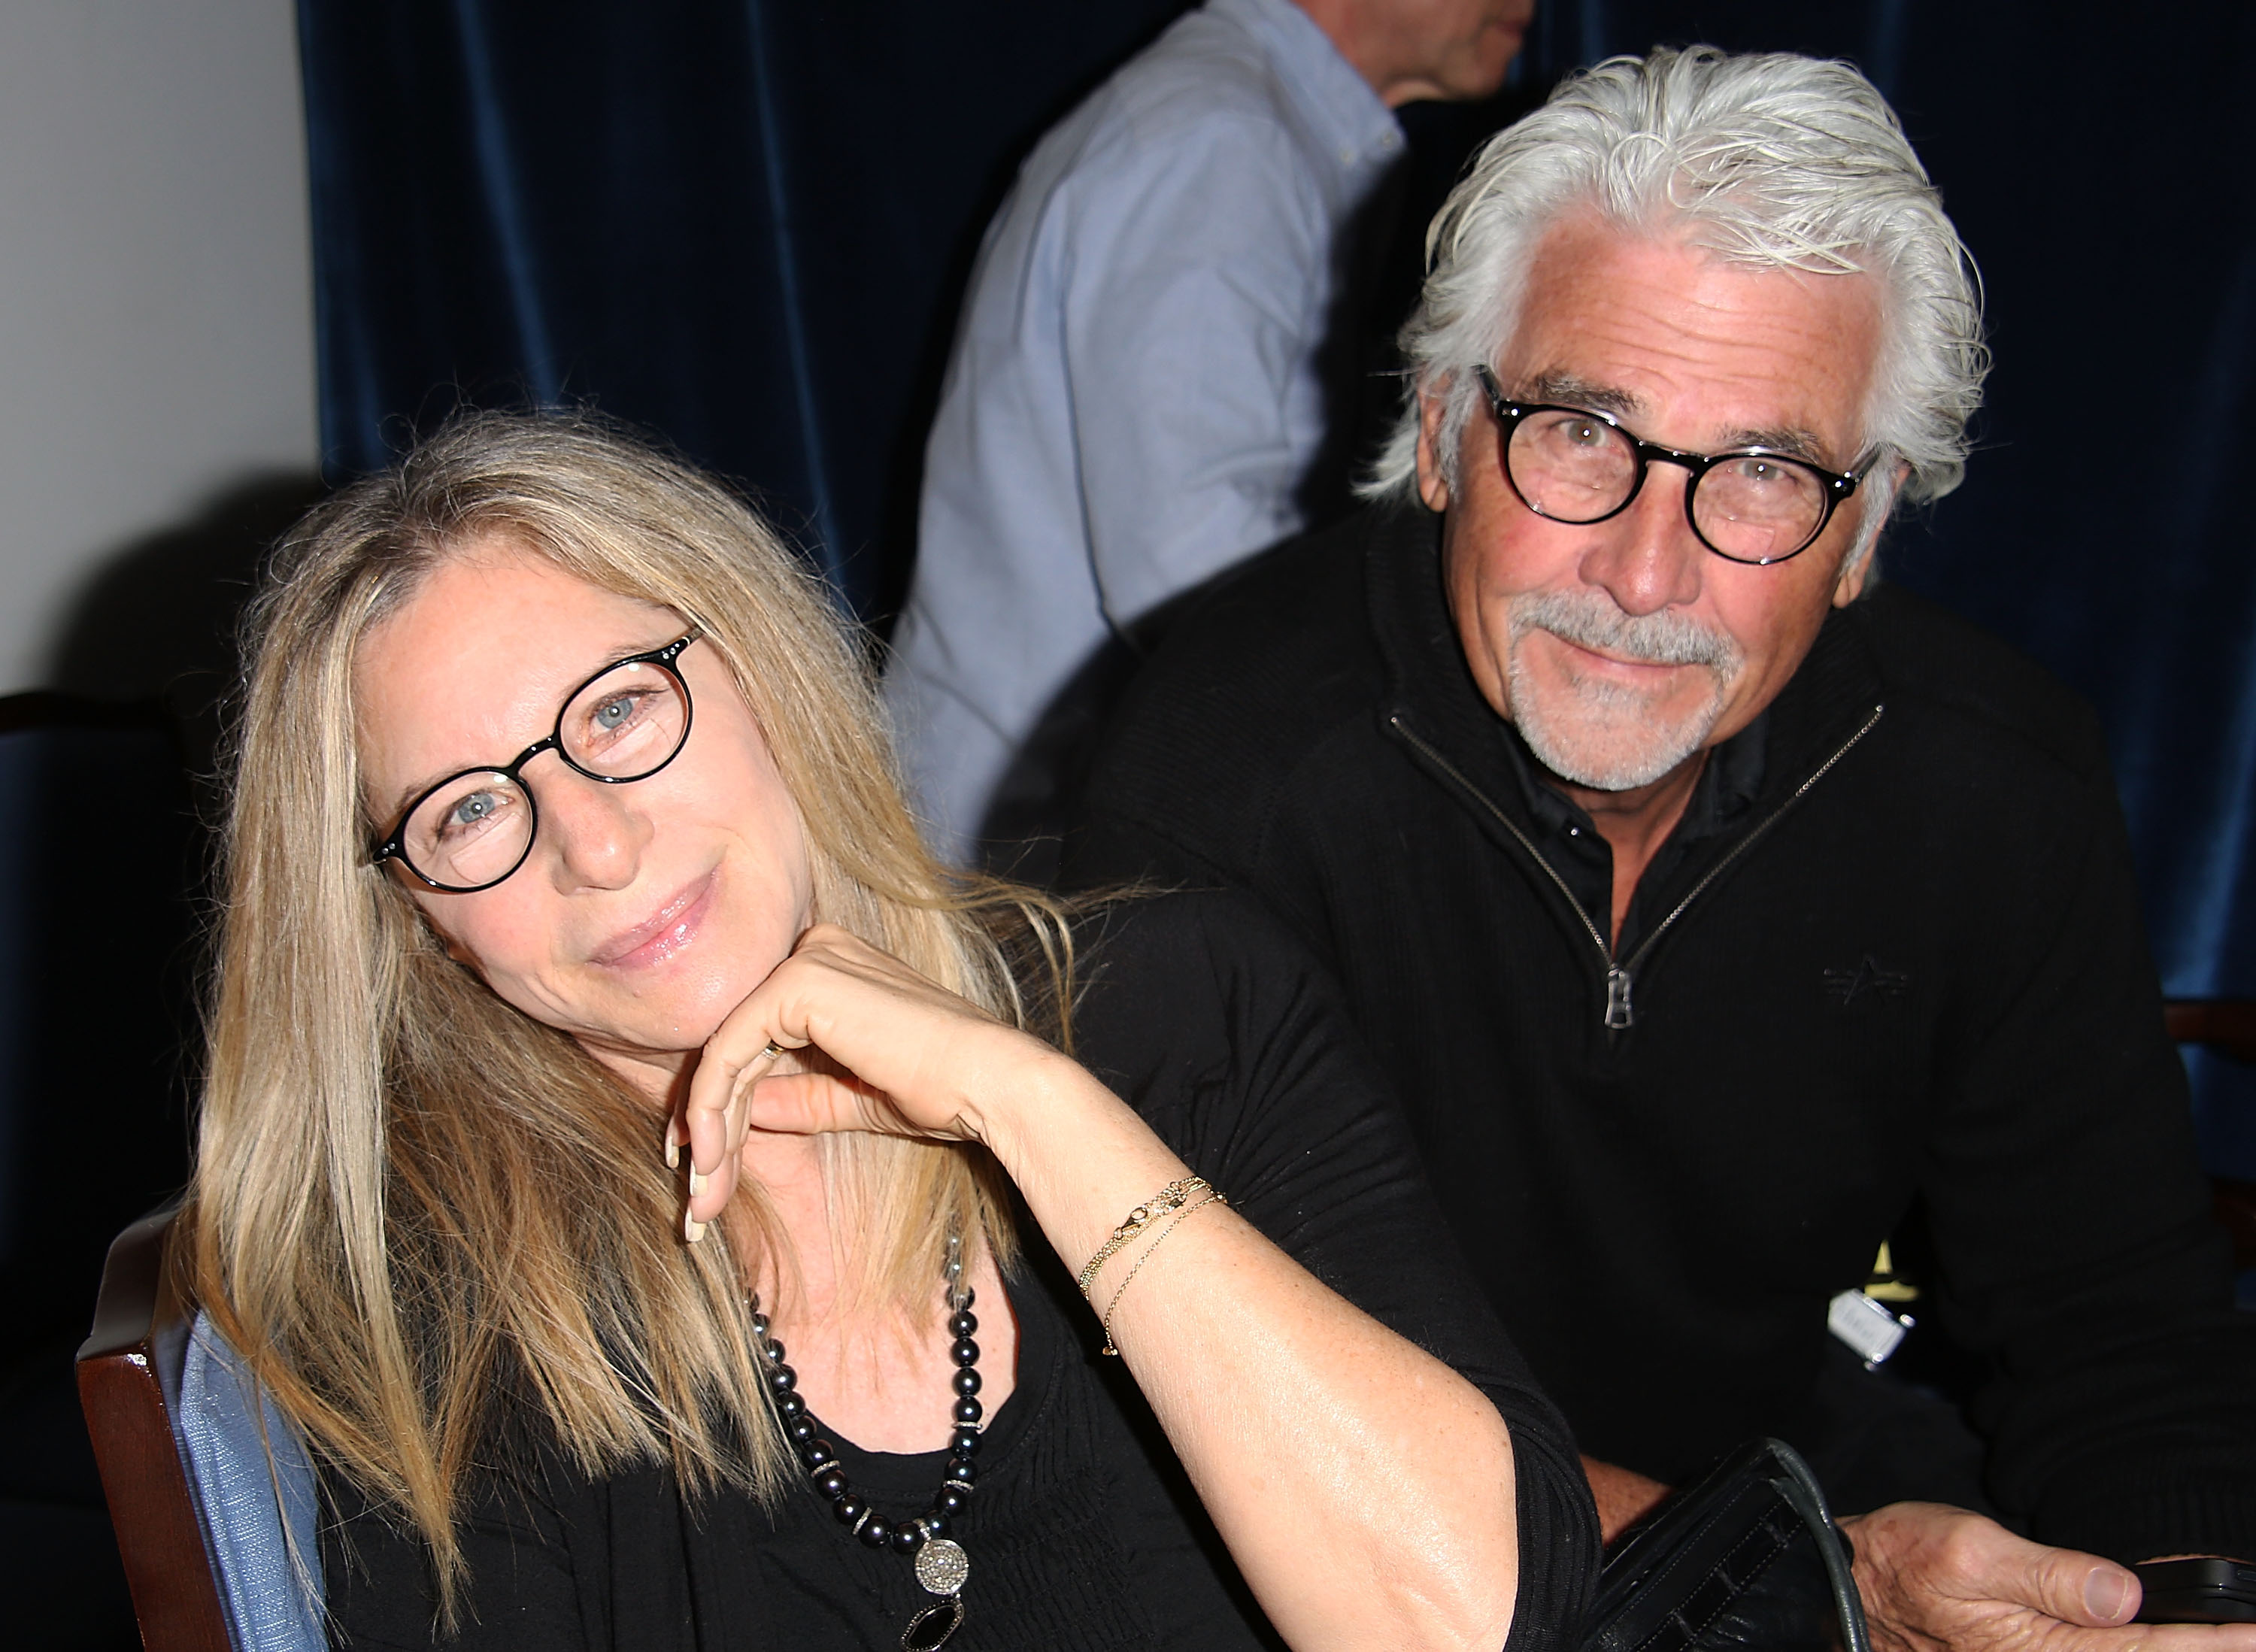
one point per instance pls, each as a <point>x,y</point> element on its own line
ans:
<point>1728,785</point>
<point>1730,781</point>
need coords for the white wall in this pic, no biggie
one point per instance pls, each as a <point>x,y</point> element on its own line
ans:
<point>155,286</point>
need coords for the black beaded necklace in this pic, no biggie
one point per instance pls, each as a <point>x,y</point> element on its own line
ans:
<point>942,1566</point>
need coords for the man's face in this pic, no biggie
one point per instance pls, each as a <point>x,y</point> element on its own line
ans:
<point>1624,648</point>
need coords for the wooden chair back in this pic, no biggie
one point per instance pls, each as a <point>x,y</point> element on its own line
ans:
<point>129,1386</point>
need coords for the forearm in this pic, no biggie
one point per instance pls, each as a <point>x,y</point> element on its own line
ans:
<point>1365,1488</point>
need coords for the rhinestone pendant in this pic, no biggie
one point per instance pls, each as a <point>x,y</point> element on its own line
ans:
<point>930,1629</point>
<point>941,1566</point>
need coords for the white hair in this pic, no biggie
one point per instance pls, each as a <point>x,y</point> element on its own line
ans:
<point>1773,160</point>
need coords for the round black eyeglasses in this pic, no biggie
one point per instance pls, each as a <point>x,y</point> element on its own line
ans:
<point>1753,505</point>
<point>474,829</point>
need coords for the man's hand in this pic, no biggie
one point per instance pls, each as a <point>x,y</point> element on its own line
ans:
<point>1934,1576</point>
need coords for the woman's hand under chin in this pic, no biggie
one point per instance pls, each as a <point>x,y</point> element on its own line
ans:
<point>1273,1391</point>
<point>901,1055</point>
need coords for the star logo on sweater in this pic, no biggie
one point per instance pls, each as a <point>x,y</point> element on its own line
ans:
<point>1868,979</point>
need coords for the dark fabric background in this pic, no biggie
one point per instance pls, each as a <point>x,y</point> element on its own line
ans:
<point>744,226</point>
<point>747,227</point>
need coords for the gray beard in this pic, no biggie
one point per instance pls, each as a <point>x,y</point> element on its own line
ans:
<point>1605,735</point>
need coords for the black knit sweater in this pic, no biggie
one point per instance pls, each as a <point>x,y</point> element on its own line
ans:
<point>1083,1533</point>
<point>1907,965</point>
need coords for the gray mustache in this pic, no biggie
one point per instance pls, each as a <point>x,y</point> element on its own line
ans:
<point>1590,620</point>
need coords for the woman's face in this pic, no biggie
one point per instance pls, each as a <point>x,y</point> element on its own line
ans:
<point>645,912</point>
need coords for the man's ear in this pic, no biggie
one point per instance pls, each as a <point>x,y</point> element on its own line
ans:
<point>1851,585</point>
<point>1433,486</point>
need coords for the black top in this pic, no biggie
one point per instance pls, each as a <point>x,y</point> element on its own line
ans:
<point>1084,1532</point>
<point>1907,966</point>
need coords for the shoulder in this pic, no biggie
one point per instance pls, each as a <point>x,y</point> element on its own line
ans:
<point>1208,967</point>
<point>1293,619</point>
<point>2000,700</point>
<point>1257,674</point>
<point>1207,72</point>
<point>1203,95</point>
<point>1213,1019</point>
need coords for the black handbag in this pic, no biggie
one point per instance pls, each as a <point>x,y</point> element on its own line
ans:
<point>1747,1560</point>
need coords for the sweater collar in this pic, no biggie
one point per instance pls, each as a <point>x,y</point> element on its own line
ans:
<point>1431,689</point>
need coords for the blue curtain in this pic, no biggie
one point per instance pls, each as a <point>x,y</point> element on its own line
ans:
<point>742,226</point>
<point>747,226</point>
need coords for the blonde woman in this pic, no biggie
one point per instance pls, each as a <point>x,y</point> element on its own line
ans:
<point>629,1163</point>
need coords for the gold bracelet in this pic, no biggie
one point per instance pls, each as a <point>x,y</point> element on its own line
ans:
<point>1212,1198</point>
<point>1170,1197</point>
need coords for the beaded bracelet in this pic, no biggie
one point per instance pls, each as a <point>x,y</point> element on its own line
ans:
<point>1170,1197</point>
<point>1212,1198</point>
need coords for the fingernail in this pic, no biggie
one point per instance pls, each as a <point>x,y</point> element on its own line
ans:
<point>697,1181</point>
<point>2106,1594</point>
<point>673,1154</point>
<point>691,1229</point>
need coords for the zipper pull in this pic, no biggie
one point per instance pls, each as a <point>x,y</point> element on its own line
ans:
<point>1618,1014</point>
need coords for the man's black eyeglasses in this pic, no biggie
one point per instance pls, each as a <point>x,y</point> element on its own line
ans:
<point>1753,505</point>
<point>474,829</point>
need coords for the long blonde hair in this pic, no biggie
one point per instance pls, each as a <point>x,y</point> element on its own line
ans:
<point>409,1196</point>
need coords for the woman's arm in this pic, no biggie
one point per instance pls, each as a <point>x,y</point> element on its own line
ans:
<point>1366,1490</point>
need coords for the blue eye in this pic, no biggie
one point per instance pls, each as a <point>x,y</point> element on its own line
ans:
<point>472,809</point>
<point>609,714</point>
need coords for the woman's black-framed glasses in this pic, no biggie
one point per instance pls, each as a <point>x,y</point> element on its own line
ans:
<point>474,829</point>
<point>1753,505</point>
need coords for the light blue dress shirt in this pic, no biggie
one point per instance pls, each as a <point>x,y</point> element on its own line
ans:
<point>1134,396</point>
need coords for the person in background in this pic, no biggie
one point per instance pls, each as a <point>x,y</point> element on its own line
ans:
<point>1158,346</point>
<point>1712,904</point>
